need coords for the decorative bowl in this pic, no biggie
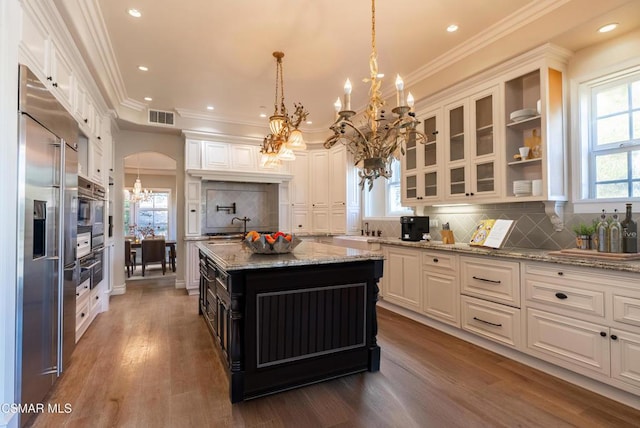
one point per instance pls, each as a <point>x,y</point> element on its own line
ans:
<point>523,114</point>
<point>262,246</point>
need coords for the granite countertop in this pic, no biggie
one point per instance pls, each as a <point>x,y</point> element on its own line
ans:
<point>516,253</point>
<point>235,256</point>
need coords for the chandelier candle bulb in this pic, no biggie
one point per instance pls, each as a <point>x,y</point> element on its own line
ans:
<point>400,88</point>
<point>410,101</point>
<point>347,95</point>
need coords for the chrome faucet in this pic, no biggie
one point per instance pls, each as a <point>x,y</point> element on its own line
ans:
<point>366,228</point>
<point>244,219</point>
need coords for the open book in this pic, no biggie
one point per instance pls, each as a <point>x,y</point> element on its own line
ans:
<point>492,233</point>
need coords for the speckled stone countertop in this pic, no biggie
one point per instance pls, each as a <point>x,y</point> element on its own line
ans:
<point>235,256</point>
<point>516,253</point>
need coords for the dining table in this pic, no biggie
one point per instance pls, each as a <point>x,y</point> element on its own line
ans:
<point>170,244</point>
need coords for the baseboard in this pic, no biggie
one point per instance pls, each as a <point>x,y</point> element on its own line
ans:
<point>193,291</point>
<point>181,283</point>
<point>119,289</point>
<point>592,385</point>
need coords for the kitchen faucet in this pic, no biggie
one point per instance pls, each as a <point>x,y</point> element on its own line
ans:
<point>366,228</point>
<point>244,219</point>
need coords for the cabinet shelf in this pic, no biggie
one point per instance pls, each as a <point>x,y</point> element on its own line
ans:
<point>524,162</point>
<point>532,122</point>
<point>485,129</point>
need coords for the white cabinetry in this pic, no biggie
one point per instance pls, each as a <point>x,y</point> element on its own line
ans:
<point>215,155</point>
<point>59,75</point>
<point>491,299</point>
<point>471,146</point>
<point>402,274</point>
<point>421,174</point>
<point>586,321</point>
<point>192,206</point>
<point>192,274</point>
<point>96,170</point>
<point>440,287</point>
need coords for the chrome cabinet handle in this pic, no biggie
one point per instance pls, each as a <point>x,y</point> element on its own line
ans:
<point>487,322</point>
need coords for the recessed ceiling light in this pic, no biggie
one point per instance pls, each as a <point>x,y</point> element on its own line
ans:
<point>608,27</point>
<point>452,28</point>
<point>209,107</point>
<point>134,12</point>
<point>308,122</point>
<point>263,114</point>
<point>143,68</point>
<point>148,99</point>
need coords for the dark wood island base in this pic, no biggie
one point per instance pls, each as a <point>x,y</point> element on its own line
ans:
<point>281,322</point>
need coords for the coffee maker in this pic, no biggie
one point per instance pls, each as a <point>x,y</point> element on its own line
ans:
<point>414,227</point>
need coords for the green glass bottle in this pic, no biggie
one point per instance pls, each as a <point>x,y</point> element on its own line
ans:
<point>602,231</point>
<point>629,233</point>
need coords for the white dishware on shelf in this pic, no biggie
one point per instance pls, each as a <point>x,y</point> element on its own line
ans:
<point>524,152</point>
<point>536,187</point>
<point>522,187</point>
<point>523,114</point>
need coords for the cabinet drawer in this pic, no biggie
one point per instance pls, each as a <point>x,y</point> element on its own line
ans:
<point>493,321</point>
<point>556,293</point>
<point>577,345</point>
<point>440,260</point>
<point>626,309</point>
<point>82,317</point>
<point>94,301</point>
<point>495,280</point>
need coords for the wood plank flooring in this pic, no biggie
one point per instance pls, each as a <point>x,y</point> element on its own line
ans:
<point>150,362</point>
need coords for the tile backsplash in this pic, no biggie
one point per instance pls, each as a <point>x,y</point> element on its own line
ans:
<point>533,229</point>
<point>257,201</point>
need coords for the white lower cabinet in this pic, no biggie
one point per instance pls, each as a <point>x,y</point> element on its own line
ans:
<point>440,287</point>
<point>568,342</point>
<point>586,320</point>
<point>401,280</point>
<point>83,308</point>
<point>493,321</point>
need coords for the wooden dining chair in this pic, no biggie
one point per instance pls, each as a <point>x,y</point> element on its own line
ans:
<point>129,258</point>
<point>153,251</point>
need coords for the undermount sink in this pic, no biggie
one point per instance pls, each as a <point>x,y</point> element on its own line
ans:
<point>356,241</point>
<point>227,237</point>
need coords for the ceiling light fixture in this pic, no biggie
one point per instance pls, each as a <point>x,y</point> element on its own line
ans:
<point>135,13</point>
<point>452,28</point>
<point>285,135</point>
<point>138,194</point>
<point>143,68</point>
<point>608,27</point>
<point>148,99</point>
<point>376,143</point>
<point>209,107</point>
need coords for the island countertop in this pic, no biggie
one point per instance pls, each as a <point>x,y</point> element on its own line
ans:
<point>235,256</point>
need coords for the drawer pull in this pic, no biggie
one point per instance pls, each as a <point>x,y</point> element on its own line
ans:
<point>435,260</point>
<point>486,280</point>
<point>561,296</point>
<point>487,322</point>
<point>603,334</point>
<point>560,273</point>
<point>614,337</point>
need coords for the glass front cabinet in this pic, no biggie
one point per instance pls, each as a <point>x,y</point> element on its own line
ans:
<point>471,147</point>
<point>421,181</point>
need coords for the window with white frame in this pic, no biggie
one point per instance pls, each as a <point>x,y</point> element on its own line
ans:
<point>144,216</point>
<point>610,117</point>
<point>384,200</point>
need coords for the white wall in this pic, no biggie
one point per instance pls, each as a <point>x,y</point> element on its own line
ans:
<point>10,29</point>
<point>127,143</point>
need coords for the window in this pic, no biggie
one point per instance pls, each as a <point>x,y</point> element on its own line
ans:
<point>152,214</point>
<point>384,200</point>
<point>611,137</point>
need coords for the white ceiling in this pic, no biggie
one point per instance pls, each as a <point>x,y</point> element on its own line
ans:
<point>204,52</point>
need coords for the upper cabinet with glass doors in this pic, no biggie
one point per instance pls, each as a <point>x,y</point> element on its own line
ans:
<point>471,147</point>
<point>421,180</point>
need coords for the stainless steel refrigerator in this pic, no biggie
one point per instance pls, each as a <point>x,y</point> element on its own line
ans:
<point>47,223</point>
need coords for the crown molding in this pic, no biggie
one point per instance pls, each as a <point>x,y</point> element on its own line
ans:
<point>227,138</point>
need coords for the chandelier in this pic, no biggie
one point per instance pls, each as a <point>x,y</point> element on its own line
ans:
<point>138,194</point>
<point>285,136</point>
<point>375,144</point>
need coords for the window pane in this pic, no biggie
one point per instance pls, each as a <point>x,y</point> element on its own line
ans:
<point>612,100</point>
<point>161,200</point>
<point>612,129</point>
<point>394,198</point>
<point>160,217</point>
<point>635,94</point>
<point>146,203</point>
<point>611,167</point>
<point>635,164</point>
<point>636,190</point>
<point>614,190</point>
<point>636,125</point>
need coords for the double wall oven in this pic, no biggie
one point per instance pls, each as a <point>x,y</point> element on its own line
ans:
<point>91,216</point>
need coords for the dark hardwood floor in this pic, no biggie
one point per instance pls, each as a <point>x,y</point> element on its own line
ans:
<point>150,362</point>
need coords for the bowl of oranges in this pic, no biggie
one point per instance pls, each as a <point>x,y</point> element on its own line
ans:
<point>270,243</point>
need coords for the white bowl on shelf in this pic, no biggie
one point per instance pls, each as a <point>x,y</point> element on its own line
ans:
<point>523,114</point>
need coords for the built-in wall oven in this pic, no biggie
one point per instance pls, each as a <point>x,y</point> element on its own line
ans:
<point>90,257</point>
<point>91,206</point>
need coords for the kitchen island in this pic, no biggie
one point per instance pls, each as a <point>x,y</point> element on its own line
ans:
<point>282,321</point>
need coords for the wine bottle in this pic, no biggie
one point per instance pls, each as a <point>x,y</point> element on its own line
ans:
<point>602,231</point>
<point>615,234</point>
<point>629,233</point>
